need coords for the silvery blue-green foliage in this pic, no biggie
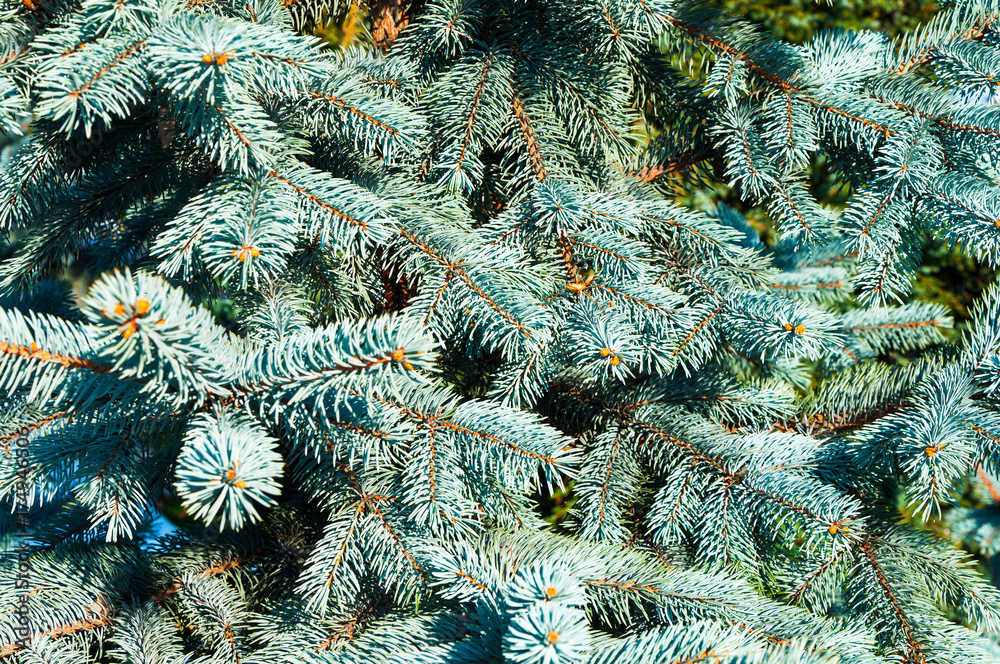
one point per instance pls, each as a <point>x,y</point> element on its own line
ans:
<point>461,289</point>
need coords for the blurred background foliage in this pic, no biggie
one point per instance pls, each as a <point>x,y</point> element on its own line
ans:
<point>799,20</point>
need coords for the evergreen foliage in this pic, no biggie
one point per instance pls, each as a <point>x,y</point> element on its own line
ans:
<point>463,281</point>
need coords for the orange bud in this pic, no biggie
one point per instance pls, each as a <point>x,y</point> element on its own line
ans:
<point>241,485</point>
<point>130,330</point>
<point>997,223</point>
<point>230,474</point>
<point>615,360</point>
<point>800,329</point>
<point>551,592</point>
<point>142,306</point>
<point>242,252</point>
<point>34,347</point>
<point>605,352</point>
<point>930,451</point>
<point>221,60</point>
<point>553,636</point>
<point>398,355</point>
<point>408,366</point>
<point>160,322</point>
<point>120,309</point>
<point>788,327</point>
<point>833,529</point>
<point>207,58</point>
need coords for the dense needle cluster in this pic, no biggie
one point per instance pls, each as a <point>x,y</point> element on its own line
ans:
<point>463,280</point>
